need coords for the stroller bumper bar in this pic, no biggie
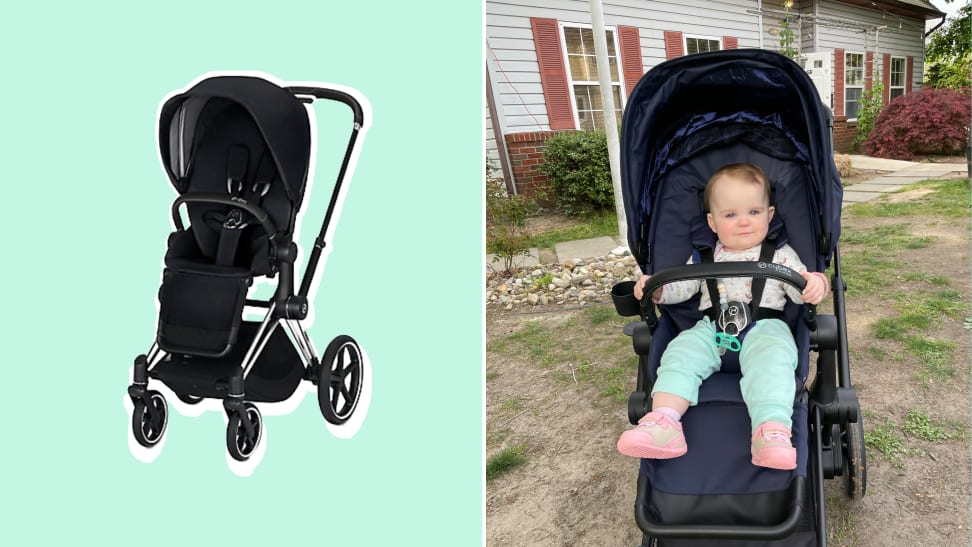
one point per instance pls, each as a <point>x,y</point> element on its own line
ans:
<point>223,199</point>
<point>716,270</point>
<point>784,529</point>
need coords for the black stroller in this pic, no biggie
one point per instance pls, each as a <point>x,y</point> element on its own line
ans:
<point>684,120</point>
<point>237,150</point>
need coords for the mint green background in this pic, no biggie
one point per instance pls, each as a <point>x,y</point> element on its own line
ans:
<point>85,218</point>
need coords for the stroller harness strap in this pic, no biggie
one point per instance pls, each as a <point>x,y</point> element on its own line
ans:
<point>232,225</point>
<point>757,312</point>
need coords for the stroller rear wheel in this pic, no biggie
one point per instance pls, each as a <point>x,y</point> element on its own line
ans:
<point>149,420</point>
<point>339,381</point>
<point>241,444</point>
<point>855,473</point>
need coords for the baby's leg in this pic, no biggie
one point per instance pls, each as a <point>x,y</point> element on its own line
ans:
<point>690,358</point>
<point>767,359</point>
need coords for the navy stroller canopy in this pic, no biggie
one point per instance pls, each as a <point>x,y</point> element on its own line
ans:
<point>281,118</point>
<point>690,105</point>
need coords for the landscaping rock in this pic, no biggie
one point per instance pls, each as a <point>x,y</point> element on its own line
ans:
<point>575,282</point>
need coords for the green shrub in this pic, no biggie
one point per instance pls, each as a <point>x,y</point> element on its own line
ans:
<point>579,170</point>
<point>505,217</point>
<point>871,104</point>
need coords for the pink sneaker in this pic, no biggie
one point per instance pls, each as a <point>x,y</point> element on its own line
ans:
<point>772,447</point>
<point>656,437</point>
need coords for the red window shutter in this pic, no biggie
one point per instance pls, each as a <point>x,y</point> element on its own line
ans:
<point>674,47</point>
<point>730,42</point>
<point>631,63</point>
<point>886,78</point>
<point>909,71</point>
<point>553,75</point>
<point>838,82</point>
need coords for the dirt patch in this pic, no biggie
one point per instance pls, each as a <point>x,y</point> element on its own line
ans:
<point>547,221</point>
<point>575,489</point>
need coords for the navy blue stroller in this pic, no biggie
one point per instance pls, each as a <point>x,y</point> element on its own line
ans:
<point>237,149</point>
<point>685,119</point>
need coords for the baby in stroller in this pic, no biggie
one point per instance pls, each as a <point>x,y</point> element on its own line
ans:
<point>737,197</point>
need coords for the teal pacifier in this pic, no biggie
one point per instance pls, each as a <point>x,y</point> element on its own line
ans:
<point>727,341</point>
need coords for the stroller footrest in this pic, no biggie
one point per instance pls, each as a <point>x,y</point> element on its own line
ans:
<point>782,529</point>
<point>200,314</point>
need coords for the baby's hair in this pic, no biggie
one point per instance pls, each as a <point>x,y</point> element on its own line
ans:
<point>740,171</point>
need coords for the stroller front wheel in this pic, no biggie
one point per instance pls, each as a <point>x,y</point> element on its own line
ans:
<point>339,380</point>
<point>239,442</point>
<point>149,419</point>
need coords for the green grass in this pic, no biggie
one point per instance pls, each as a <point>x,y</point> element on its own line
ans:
<point>895,328</point>
<point>865,273</point>
<point>586,351</point>
<point>602,314</point>
<point>920,425</point>
<point>934,356</point>
<point>538,341</point>
<point>939,280</point>
<point>886,440</point>
<point>603,223</point>
<point>507,459</point>
<point>844,530</point>
<point>511,405</point>
<point>949,198</point>
<point>888,237</point>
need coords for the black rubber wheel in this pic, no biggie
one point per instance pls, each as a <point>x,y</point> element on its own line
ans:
<point>148,430</point>
<point>241,445</point>
<point>855,460</point>
<point>339,380</point>
<point>189,399</point>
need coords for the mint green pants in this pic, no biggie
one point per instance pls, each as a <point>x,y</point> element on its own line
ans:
<point>767,360</point>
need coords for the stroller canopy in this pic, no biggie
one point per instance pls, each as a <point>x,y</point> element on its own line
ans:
<point>279,115</point>
<point>692,104</point>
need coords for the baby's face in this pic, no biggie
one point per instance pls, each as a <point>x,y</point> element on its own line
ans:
<point>739,213</point>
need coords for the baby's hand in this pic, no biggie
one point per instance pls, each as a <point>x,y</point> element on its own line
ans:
<point>639,290</point>
<point>816,289</point>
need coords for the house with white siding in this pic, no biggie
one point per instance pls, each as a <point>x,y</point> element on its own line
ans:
<point>541,74</point>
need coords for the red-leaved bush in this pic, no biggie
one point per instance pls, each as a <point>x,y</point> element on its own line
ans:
<point>929,122</point>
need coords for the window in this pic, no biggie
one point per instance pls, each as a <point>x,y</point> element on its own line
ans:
<point>695,44</point>
<point>583,76</point>
<point>897,77</point>
<point>853,83</point>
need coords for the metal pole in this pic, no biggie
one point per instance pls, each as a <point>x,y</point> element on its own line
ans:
<point>610,121</point>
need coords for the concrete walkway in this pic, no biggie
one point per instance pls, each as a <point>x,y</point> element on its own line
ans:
<point>898,174</point>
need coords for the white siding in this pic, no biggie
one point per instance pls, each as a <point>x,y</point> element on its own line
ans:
<point>510,50</point>
<point>773,18</point>
<point>509,41</point>
<point>904,36</point>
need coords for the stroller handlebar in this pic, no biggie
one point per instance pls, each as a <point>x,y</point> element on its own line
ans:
<point>720,269</point>
<point>725,269</point>
<point>334,95</point>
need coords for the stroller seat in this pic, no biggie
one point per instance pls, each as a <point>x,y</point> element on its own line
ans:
<point>224,248</point>
<point>715,483</point>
